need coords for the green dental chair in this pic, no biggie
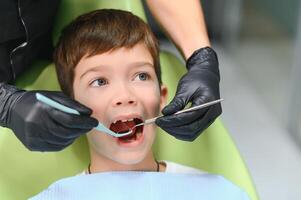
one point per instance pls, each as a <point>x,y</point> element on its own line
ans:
<point>24,173</point>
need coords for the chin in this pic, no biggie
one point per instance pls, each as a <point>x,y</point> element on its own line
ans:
<point>130,158</point>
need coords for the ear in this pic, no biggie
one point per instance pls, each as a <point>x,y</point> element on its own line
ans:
<point>163,96</point>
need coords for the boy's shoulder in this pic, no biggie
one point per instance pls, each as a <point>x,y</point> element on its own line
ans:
<point>172,167</point>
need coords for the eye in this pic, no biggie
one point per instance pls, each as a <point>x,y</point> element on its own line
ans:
<point>143,76</point>
<point>99,82</point>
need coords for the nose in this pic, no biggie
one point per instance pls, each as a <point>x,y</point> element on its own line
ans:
<point>124,97</point>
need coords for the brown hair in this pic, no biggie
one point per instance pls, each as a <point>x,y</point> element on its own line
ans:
<point>98,32</point>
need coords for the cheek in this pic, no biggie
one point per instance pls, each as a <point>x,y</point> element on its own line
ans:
<point>151,100</point>
<point>93,99</point>
<point>100,142</point>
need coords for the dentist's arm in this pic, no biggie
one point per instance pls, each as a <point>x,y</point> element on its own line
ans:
<point>38,126</point>
<point>184,23</point>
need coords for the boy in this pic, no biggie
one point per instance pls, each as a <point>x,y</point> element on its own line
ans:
<point>108,60</point>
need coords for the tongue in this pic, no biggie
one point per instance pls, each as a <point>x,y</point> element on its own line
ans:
<point>120,127</point>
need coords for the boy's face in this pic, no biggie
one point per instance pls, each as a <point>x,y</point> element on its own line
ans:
<point>120,86</point>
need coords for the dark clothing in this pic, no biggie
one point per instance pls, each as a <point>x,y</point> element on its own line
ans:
<point>25,34</point>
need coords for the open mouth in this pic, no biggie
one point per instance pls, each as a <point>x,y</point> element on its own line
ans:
<point>122,126</point>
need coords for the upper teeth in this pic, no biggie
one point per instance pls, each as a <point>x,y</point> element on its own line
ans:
<point>124,120</point>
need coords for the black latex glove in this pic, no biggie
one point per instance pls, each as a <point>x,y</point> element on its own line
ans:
<point>38,126</point>
<point>199,85</point>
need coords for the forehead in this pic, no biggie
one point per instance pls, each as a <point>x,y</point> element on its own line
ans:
<point>135,56</point>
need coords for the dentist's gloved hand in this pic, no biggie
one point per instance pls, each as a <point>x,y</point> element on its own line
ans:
<point>38,126</point>
<point>199,85</point>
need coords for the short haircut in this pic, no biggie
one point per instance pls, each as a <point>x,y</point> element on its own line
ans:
<point>98,32</point>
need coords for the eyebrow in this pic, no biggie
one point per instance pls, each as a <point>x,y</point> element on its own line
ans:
<point>134,64</point>
<point>93,69</point>
<point>140,64</point>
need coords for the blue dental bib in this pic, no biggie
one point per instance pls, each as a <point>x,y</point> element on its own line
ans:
<point>143,185</point>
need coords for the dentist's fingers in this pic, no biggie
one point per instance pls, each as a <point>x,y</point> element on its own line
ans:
<point>190,131</point>
<point>72,120</point>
